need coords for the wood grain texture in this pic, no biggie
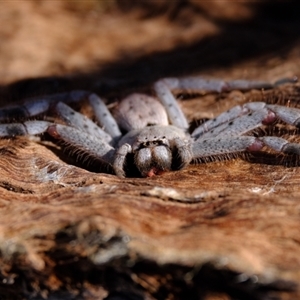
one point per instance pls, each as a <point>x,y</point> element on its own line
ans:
<point>219,230</point>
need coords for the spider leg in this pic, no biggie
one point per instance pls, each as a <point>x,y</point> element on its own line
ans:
<point>164,87</point>
<point>210,147</point>
<point>81,122</point>
<point>290,115</point>
<point>104,117</point>
<point>223,118</point>
<point>184,152</point>
<point>95,147</point>
<point>198,84</point>
<point>241,124</point>
<point>119,159</point>
<point>26,128</point>
<point>241,119</point>
<point>35,106</point>
<point>174,112</point>
<point>281,145</point>
<point>227,138</point>
<point>215,146</point>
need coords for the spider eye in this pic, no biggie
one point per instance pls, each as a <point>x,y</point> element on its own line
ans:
<point>155,143</point>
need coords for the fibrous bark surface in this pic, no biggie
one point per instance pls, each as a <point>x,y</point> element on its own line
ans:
<point>219,230</point>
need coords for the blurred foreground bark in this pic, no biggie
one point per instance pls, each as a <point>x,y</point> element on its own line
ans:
<point>221,230</point>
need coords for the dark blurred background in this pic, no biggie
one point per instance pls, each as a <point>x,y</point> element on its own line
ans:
<point>114,47</point>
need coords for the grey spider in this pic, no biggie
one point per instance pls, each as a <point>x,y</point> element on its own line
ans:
<point>156,135</point>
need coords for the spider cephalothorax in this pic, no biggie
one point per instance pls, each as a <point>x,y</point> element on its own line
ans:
<point>156,149</point>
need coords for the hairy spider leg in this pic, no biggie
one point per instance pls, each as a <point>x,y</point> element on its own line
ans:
<point>81,122</point>
<point>164,87</point>
<point>242,116</point>
<point>168,100</point>
<point>201,84</point>
<point>38,105</point>
<point>95,147</point>
<point>120,158</point>
<point>26,128</point>
<point>104,117</point>
<point>82,141</point>
<point>227,138</point>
